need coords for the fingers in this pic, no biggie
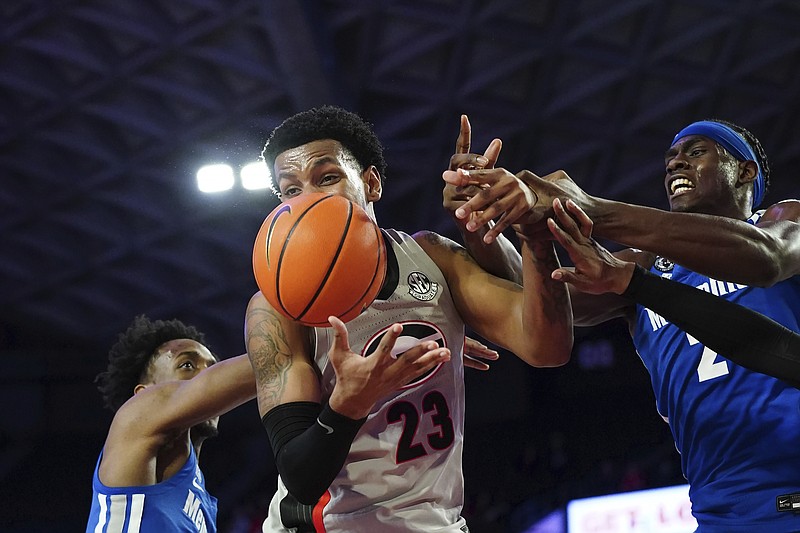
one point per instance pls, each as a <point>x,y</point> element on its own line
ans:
<point>503,205</point>
<point>409,352</point>
<point>562,237</point>
<point>501,197</point>
<point>415,362</point>
<point>461,177</point>
<point>464,136</point>
<point>464,159</point>
<point>473,348</point>
<point>492,153</point>
<point>564,275</point>
<point>388,341</point>
<point>575,222</point>
<point>409,364</point>
<point>474,363</point>
<point>566,221</point>
<point>361,381</point>
<point>494,232</point>
<point>341,340</point>
<point>469,161</point>
<point>580,215</point>
<point>430,359</point>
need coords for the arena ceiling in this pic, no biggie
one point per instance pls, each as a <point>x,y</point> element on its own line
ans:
<point>107,109</point>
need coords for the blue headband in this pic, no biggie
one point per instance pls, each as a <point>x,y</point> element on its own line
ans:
<point>734,143</point>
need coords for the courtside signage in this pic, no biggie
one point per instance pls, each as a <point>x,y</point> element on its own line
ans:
<point>663,510</point>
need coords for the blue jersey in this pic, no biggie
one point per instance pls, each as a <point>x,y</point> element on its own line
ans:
<point>178,504</point>
<point>738,431</point>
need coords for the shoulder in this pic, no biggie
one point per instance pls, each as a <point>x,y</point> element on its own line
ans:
<point>259,301</point>
<point>441,249</point>
<point>784,210</point>
<point>430,240</point>
<point>144,405</point>
<point>452,259</point>
<point>137,424</point>
<point>260,311</point>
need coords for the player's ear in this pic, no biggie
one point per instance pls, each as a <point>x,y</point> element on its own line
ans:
<point>139,388</point>
<point>373,184</point>
<point>748,170</point>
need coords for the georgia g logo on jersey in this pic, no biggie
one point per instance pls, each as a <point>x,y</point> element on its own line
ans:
<point>413,333</point>
<point>421,287</point>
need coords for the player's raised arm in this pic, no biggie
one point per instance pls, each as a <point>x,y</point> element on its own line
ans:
<point>498,257</point>
<point>747,338</point>
<point>533,321</point>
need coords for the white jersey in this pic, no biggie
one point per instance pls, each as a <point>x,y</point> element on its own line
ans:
<point>403,472</point>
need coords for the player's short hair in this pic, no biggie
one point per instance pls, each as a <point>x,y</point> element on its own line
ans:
<point>327,122</point>
<point>129,358</point>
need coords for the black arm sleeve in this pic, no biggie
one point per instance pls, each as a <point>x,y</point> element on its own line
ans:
<point>747,338</point>
<point>310,444</point>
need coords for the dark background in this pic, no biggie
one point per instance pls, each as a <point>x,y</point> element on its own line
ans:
<point>107,109</point>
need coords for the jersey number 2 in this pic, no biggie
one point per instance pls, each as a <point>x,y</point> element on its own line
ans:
<point>709,367</point>
<point>435,404</point>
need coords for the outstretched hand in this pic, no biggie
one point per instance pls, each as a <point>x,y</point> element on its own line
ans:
<point>547,188</point>
<point>596,270</point>
<point>453,196</point>
<point>475,353</point>
<point>362,381</point>
<point>502,198</point>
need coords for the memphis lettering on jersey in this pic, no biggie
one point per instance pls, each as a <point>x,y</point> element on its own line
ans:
<point>715,287</point>
<point>193,510</point>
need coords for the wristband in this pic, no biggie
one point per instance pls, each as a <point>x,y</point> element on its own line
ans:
<point>638,277</point>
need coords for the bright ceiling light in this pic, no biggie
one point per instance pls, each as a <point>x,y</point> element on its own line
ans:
<point>255,176</point>
<point>215,178</point>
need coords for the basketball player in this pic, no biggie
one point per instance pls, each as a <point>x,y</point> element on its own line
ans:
<point>167,391</point>
<point>736,430</point>
<point>745,337</point>
<point>366,421</point>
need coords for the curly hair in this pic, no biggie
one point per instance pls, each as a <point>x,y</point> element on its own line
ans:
<point>326,122</point>
<point>755,144</point>
<point>129,358</point>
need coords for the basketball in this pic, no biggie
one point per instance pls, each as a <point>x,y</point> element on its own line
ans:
<point>318,255</point>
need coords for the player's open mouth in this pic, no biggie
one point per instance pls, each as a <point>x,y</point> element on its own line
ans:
<point>680,185</point>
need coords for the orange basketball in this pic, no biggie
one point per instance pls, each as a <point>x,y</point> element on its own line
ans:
<point>318,255</point>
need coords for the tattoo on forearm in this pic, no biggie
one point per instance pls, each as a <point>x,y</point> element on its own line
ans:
<point>269,354</point>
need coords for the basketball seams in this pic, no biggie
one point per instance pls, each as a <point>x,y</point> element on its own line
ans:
<point>322,259</point>
<point>272,224</point>
<point>380,265</point>
<point>284,246</point>
<point>334,259</point>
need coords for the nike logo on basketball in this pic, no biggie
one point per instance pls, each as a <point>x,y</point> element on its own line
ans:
<point>327,428</point>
